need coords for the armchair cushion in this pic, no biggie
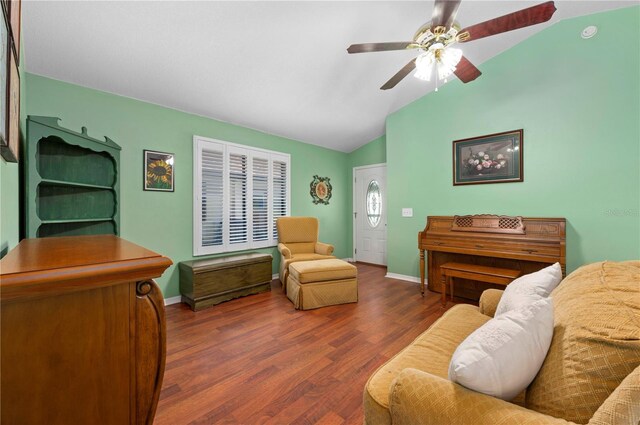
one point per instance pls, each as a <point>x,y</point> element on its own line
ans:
<point>422,398</point>
<point>596,341</point>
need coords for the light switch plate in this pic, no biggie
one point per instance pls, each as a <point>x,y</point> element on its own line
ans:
<point>407,212</point>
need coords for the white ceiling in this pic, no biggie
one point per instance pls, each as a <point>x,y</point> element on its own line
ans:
<point>278,67</point>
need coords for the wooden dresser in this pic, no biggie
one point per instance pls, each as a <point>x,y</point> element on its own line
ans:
<point>519,243</point>
<point>83,331</point>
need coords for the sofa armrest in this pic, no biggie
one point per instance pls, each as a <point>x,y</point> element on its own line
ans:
<point>621,407</point>
<point>286,252</point>
<point>421,398</point>
<point>324,248</point>
<point>489,301</point>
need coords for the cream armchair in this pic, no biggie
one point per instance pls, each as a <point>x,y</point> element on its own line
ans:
<point>298,241</point>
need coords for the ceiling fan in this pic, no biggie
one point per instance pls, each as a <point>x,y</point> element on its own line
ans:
<point>436,38</point>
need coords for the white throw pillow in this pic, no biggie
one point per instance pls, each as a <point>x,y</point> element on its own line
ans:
<point>529,288</point>
<point>503,356</point>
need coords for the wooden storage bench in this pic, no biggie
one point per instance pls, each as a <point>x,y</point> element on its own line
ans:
<point>495,275</point>
<point>204,283</point>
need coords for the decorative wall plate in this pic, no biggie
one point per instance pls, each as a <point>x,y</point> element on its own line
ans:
<point>320,190</point>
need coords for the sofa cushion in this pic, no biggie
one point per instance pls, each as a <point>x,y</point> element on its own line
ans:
<point>529,288</point>
<point>596,341</point>
<point>431,352</point>
<point>322,270</point>
<point>502,357</point>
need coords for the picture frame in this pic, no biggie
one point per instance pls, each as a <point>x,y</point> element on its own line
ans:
<point>11,151</point>
<point>320,190</point>
<point>159,171</point>
<point>494,158</point>
<point>4,86</point>
<point>13,14</point>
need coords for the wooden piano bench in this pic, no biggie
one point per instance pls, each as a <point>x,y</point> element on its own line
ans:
<point>487,274</point>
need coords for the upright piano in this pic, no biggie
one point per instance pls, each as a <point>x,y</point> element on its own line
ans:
<point>519,243</point>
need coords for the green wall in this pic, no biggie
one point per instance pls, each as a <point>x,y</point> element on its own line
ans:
<point>163,221</point>
<point>374,152</point>
<point>578,102</point>
<point>9,181</point>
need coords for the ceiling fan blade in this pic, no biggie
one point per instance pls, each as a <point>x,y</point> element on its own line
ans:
<point>406,70</point>
<point>466,71</point>
<point>512,21</point>
<point>444,13</point>
<point>381,47</point>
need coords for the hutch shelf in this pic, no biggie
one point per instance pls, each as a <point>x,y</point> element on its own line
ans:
<point>72,181</point>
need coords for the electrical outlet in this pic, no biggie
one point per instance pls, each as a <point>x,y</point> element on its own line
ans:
<point>407,212</point>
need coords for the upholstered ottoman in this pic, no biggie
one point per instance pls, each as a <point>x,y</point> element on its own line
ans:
<point>320,283</point>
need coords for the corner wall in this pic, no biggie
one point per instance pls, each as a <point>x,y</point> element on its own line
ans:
<point>162,221</point>
<point>578,102</point>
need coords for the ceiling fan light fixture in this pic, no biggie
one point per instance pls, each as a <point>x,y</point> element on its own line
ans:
<point>424,66</point>
<point>443,59</point>
<point>449,59</point>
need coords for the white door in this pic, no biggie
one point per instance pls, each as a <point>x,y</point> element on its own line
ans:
<point>370,214</point>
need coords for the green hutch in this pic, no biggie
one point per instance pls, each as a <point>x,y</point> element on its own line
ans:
<point>72,181</point>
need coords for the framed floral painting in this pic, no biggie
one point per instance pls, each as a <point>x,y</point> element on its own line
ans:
<point>158,171</point>
<point>495,158</point>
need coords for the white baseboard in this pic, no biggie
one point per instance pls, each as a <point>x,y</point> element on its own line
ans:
<point>275,276</point>
<point>172,300</point>
<point>404,277</point>
<point>348,260</point>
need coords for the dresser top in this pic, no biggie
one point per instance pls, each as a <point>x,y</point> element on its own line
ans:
<point>75,261</point>
<point>70,251</point>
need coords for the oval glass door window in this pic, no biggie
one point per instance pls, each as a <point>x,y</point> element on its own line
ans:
<point>374,203</point>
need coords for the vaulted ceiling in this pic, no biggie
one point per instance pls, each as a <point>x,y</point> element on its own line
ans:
<point>278,67</point>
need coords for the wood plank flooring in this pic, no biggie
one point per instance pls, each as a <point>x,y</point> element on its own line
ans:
<point>256,360</point>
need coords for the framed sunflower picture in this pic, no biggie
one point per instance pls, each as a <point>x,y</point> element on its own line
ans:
<point>158,171</point>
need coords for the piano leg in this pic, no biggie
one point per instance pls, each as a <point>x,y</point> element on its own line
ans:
<point>422,272</point>
<point>444,289</point>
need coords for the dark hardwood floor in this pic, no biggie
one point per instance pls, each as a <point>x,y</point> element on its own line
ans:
<point>256,360</point>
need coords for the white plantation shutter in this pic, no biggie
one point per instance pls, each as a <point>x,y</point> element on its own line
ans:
<point>260,224</point>
<point>238,224</point>
<point>280,192</point>
<point>239,192</point>
<point>211,201</point>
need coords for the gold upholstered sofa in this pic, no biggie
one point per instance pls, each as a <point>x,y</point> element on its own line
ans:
<point>298,241</point>
<point>591,373</point>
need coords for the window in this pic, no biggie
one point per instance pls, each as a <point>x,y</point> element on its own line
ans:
<point>238,194</point>
<point>374,204</point>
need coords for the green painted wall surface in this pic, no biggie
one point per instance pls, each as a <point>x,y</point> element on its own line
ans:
<point>10,181</point>
<point>374,152</point>
<point>578,102</point>
<point>163,221</point>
